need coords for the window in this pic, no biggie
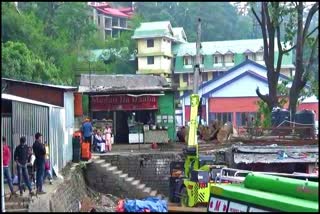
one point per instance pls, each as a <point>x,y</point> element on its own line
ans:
<point>229,58</point>
<point>185,77</point>
<point>201,59</point>
<point>187,60</point>
<point>259,56</point>
<point>123,23</point>
<point>216,60</point>
<point>242,118</point>
<point>221,117</point>
<point>150,60</point>
<point>98,20</point>
<point>150,43</point>
<point>115,21</point>
<point>204,76</point>
<point>107,23</point>
<point>247,57</point>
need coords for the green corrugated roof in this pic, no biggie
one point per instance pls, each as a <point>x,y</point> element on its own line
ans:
<point>153,29</point>
<point>209,48</point>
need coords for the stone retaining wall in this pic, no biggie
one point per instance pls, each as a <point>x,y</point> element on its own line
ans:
<point>152,169</point>
<point>66,195</point>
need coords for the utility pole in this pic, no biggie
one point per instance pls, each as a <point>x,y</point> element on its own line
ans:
<point>197,65</point>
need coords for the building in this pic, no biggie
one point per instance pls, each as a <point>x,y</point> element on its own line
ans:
<point>110,21</point>
<point>232,96</point>
<point>134,104</point>
<point>28,107</point>
<point>217,57</point>
<point>164,50</point>
<point>154,47</point>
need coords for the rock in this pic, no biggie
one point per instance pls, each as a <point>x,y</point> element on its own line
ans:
<point>103,209</point>
<point>107,201</point>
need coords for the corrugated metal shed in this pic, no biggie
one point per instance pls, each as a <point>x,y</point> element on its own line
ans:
<point>29,117</point>
<point>270,154</point>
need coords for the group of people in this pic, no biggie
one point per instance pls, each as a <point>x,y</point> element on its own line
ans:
<point>32,164</point>
<point>101,140</point>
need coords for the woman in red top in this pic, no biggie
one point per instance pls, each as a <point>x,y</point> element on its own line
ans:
<point>5,163</point>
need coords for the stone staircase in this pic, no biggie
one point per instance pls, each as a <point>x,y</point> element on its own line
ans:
<point>138,190</point>
<point>17,203</point>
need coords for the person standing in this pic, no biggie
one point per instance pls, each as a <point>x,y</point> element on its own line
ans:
<point>87,131</point>
<point>107,133</point>
<point>47,171</point>
<point>30,165</point>
<point>5,164</point>
<point>40,152</point>
<point>21,158</point>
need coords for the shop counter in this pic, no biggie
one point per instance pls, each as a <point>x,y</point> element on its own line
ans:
<point>156,136</point>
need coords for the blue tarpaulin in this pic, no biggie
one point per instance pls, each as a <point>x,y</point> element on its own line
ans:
<point>152,204</point>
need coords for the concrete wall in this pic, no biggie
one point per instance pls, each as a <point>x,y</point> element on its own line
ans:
<point>65,197</point>
<point>152,169</point>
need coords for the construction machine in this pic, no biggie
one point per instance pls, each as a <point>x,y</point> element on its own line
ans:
<point>192,187</point>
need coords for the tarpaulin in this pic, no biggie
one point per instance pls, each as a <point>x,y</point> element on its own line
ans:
<point>149,204</point>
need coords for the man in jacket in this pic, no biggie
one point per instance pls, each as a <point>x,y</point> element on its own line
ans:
<point>87,131</point>
<point>21,158</point>
<point>40,152</point>
<point>5,163</point>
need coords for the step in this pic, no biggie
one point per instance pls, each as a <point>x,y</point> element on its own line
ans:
<point>99,161</point>
<point>17,199</point>
<point>112,168</point>
<point>117,172</point>
<point>141,186</point>
<point>123,176</point>
<point>147,190</point>
<point>135,182</point>
<point>129,179</point>
<point>17,210</point>
<point>106,165</point>
<point>153,193</point>
<point>15,205</point>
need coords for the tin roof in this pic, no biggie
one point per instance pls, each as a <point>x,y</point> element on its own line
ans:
<point>63,87</point>
<point>153,29</point>
<point>270,154</point>
<point>123,83</point>
<point>223,47</point>
<point>25,100</point>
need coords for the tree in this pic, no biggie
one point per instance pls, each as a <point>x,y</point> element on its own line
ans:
<point>21,63</point>
<point>272,15</point>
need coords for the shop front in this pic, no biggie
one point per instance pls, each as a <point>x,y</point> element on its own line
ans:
<point>135,118</point>
<point>140,108</point>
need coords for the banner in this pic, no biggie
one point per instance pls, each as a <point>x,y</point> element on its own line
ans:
<point>123,103</point>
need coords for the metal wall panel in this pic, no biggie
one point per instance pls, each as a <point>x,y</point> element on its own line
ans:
<point>57,135</point>
<point>6,131</point>
<point>28,119</point>
<point>69,126</point>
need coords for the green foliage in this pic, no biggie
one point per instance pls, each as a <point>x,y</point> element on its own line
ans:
<point>19,62</point>
<point>185,14</point>
<point>265,112</point>
<point>55,31</point>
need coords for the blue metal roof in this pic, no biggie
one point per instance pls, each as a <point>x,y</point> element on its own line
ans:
<point>248,61</point>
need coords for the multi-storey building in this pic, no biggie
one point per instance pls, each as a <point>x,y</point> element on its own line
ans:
<point>154,47</point>
<point>164,50</point>
<point>110,21</point>
<point>219,56</point>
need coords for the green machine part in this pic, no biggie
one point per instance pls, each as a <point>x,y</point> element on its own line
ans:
<point>192,160</point>
<point>307,190</point>
<point>197,194</point>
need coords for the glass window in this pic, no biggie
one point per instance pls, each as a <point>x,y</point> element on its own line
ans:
<point>216,59</point>
<point>185,77</point>
<point>204,76</point>
<point>98,20</point>
<point>150,43</point>
<point>115,21</point>
<point>150,60</point>
<point>187,60</point>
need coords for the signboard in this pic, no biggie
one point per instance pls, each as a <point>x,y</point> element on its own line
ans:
<point>237,208</point>
<point>123,103</point>
<point>217,205</point>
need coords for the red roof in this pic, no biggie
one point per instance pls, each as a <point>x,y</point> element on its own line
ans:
<point>124,12</point>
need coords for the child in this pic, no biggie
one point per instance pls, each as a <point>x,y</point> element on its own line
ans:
<point>47,171</point>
